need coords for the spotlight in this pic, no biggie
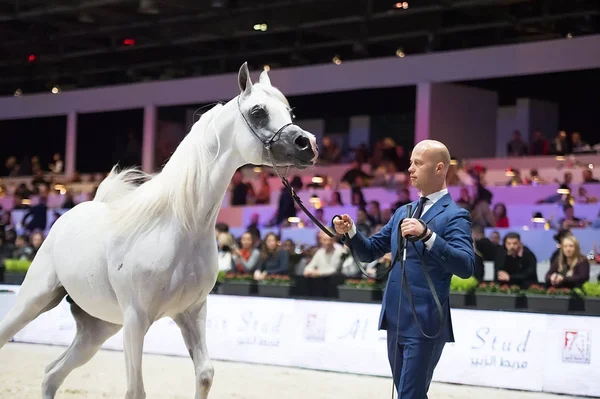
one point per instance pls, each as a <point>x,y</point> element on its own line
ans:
<point>337,60</point>
<point>260,27</point>
<point>267,67</point>
<point>55,90</point>
<point>400,53</point>
<point>18,93</point>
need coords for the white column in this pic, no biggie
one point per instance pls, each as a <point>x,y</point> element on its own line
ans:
<point>71,144</point>
<point>149,138</point>
<point>422,112</point>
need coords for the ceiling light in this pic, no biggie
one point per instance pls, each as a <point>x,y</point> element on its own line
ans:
<point>400,53</point>
<point>18,93</point>
<point>569,35</point>
<point>267,67</point>
<point>336,60</point>
<point>55,90</point>
<point>260,27</point>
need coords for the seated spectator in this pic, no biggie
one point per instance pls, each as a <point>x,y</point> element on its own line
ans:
<point>225,254</point>
<point>464,201</point>
<point>273,260</point>
<point>23,249</point>
<point>403,198</point>
<point>336,199</point>
<point>561,145</point>
<point>515,264</point>
<point>329,152</point>
<point>68,203</point>
<point>570,220</point>
<point>241,192</point>
<point>37,239</point>
<point>570,269</point>
<point>558,237</point>
<point>588,177</point>
<point>479,270</point>
<point>263,196</point>
<point>351,174</point>
<point>362,222</point>
<point>495,238</point>
<point>245,259</point>
<point>539,145</point>
<point>500,217</point>
<point>327,260</point>
<point>39,216</point>
<point>516,147</point>
<point>374,213</point>
<point>482,214</point>
<point>487,249</point>
<point>579,145</point>
<point>584,198</point>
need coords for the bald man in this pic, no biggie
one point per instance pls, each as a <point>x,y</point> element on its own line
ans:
<point>442,245</point>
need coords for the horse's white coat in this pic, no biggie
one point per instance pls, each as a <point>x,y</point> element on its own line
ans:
<point>137,254</point>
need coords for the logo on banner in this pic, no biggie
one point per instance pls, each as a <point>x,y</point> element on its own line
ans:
<point>260,329</point>
<point>577,346</point>
<point>315,328</point>
<point>494,349</point>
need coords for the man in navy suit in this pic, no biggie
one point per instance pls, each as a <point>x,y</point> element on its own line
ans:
<point>444,246</point>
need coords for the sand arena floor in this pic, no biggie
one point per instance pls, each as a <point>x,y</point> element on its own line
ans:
<point>22,370</point>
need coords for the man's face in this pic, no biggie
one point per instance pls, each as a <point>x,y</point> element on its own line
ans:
<point>513,246</point>
<point>422,169</point>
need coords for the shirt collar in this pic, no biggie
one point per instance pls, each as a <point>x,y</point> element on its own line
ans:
<point>435,197</point>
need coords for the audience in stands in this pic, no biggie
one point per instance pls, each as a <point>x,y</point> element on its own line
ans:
<point>499,214</point>
<point>570,269</point>
<point>516,147</point>
<point>515,263</point>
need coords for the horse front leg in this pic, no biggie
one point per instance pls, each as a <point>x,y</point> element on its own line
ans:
<point>135,327</point>
<point>192,324</point>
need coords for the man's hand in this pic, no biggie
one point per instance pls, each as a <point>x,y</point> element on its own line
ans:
<point>412,227</point>
<point>343,225</point>
<point>503,276</point>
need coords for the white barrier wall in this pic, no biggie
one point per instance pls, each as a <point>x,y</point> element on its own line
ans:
<point>533,352</point>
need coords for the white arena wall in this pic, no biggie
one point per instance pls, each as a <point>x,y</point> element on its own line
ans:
<point>531,352</point>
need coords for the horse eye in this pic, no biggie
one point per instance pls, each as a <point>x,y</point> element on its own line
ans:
<point>258,112</point>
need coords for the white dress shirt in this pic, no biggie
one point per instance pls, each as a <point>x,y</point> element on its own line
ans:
<point>431,199</point>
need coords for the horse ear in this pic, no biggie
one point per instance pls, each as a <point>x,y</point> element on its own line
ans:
<point>264,78</point>
<point>244,79</point>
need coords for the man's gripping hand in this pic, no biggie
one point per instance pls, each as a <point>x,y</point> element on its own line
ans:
<point>343,225</point>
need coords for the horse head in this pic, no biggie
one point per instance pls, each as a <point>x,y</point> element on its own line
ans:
<point>269,123</point>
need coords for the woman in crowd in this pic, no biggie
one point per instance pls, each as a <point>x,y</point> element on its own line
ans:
<point>500,215</point>
<point>570,269</point>
<point>245,259</point>
<point>273,260</point>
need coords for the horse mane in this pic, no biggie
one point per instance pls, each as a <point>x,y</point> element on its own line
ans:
<point>175,190</point>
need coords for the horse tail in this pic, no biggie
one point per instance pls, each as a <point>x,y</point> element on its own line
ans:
<point>120,183</point>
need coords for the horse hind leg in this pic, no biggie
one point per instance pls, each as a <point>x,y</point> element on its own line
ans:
<point>91,334</point>
<point>192,324</point>
<point>40,292</point>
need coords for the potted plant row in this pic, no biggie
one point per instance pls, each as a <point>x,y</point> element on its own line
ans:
<point>461,291</point>
<point>550,300</point>
<point>494,296</point>
<point>590,292</point>
<point>237,284</point>
<point>275,285</point>
<point>15,271</point>
<point>361,290</point>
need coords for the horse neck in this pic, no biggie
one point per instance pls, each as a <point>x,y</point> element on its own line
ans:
<point>200,170</point>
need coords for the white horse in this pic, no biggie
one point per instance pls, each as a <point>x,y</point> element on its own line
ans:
<point>141,252</point>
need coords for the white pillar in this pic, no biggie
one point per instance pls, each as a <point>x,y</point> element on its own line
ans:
<point>422,112</point>
<point>149,138</point>
<point>71,144</point>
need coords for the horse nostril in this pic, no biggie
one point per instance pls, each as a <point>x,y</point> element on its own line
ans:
<point>302,142</point>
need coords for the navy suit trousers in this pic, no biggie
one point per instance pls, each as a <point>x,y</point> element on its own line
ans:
<point>414,363</point>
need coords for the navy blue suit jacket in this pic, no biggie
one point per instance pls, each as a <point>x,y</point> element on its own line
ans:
<point>451,253</point>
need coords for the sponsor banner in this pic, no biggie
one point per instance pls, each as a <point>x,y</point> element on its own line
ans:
<point>495,349</point>
<point>572,354</point>
<point>339,336</point>
<point>534,352</point>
